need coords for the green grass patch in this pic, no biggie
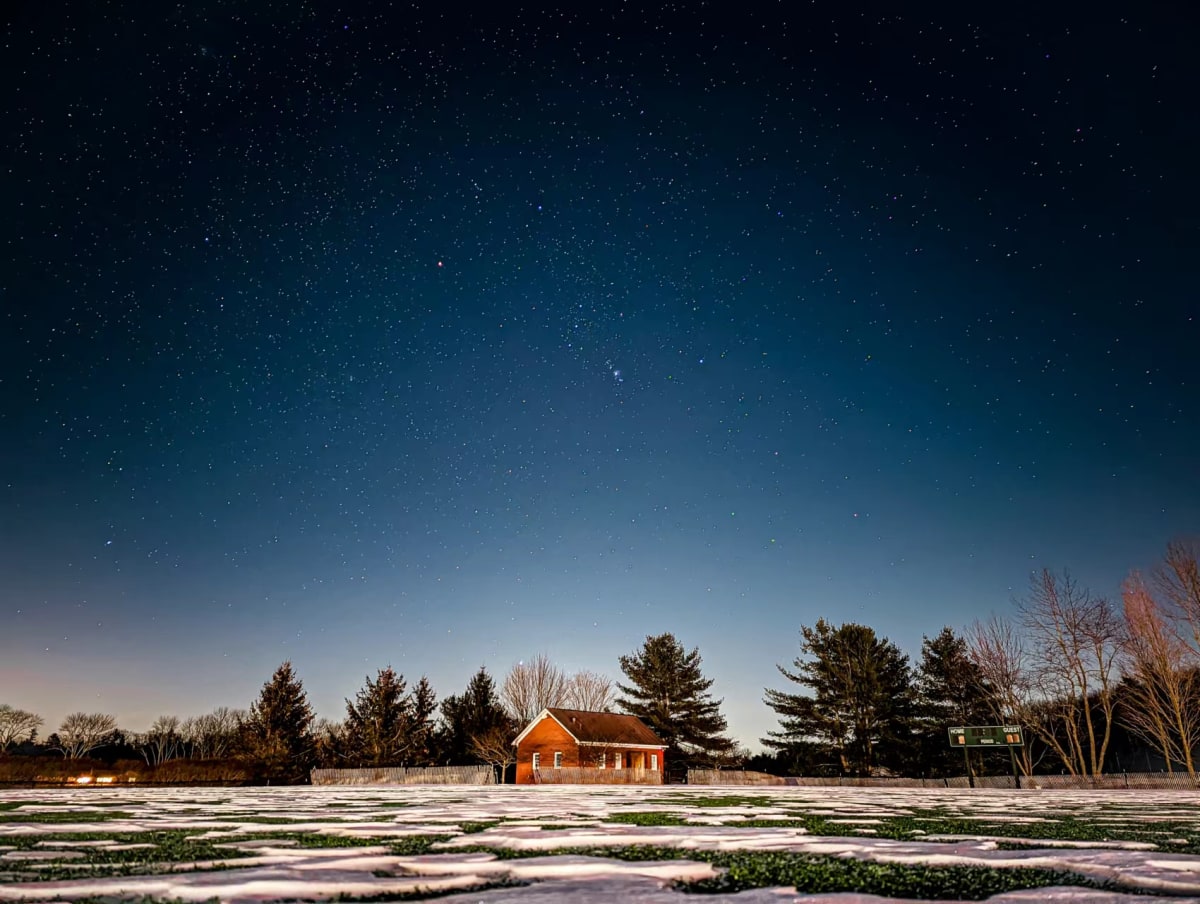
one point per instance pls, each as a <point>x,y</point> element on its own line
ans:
<point>471,828</point>
<point>821,875</point>
<point>168,847</point>
<point>428,895</point>
<point>311,839</point>
<point>60,817</point>
<point>650,818</point>
<point>813,874</point>
<point>732,800</point>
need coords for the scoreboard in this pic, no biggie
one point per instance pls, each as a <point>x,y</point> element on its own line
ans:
<point>986,736</point>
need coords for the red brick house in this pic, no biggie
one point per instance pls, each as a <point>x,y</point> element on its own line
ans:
<point>575,738</point>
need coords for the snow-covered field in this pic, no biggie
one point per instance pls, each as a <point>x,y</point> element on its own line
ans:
<point>553,843</point>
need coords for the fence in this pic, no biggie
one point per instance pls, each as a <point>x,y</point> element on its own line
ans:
<point>405,775</point>
<point>569,775</point>
<point>1115,780</point>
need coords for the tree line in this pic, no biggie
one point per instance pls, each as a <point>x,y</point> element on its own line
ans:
<point>388,723</point>
<point>1086,679</point>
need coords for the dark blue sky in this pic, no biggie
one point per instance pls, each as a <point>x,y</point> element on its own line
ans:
<point>439,339</point>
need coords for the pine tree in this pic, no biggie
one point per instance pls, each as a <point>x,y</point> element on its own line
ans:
<point>669,693</point>
<point>472,715</point>
<point>379,721</point>
<point>860,700</point>
<point>424,706</point>
<point>276,734</point>
<point>950,691</point>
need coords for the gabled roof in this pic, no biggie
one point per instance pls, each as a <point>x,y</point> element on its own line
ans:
<point>591,728</point>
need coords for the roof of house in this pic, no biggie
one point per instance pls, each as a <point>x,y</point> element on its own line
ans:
<point>598,728</point>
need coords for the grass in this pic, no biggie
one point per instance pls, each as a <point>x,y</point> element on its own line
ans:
<point>60,817</point>
<point>649,818</point>
<point>428,895</point>
<point>471,828</point>
<point>812,874</point>
<point>169,847</point>
<point>731,800</point>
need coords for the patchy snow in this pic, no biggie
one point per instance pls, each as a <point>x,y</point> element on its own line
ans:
<point>544,820</point>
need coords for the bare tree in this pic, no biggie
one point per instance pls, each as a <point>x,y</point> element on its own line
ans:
<point>495,747</point>
<point>1177,580</point>
<point>998,652</point>
<point>16,725</point>
<point>1162,695</point>
<point>1076,641</point>
<point>330,743</point>
<point>533,686</point>
<point>162,742</point>
<point>213,735</point>
<point>590,691</point>
<point>81,733</point>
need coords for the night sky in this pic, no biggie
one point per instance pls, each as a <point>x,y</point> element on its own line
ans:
<point>388,335</point>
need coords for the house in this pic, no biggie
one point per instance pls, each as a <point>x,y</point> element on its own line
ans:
<point>578,739</point>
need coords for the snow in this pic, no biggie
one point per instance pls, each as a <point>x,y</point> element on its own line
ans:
<point>279,869</point>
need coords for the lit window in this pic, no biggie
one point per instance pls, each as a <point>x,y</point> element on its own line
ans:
<point>558,759</point>
<point>537,761</point>
<point>654,761</point>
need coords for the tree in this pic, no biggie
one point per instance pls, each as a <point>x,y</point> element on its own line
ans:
<point>162,742</point>
<point>474,714</point>
<point>670,694</point>
<point>213,735</point>
<point>998,652</point>
<point>1161,699</point>
<point>81,733</point>
<point>16,725</point>
<point>494,747</point>
<point>277,732</point>
<point>329,743</point>
<point>423,730</point>
<point>589,691</point>
<point>859,696</point>
<point>379,721</point>
<point>1177,580</point>
<point>529,687</point>
<point>949,691</point>
<point>1076,639</point>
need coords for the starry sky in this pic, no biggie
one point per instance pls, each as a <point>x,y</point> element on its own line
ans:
<point>421,335</point>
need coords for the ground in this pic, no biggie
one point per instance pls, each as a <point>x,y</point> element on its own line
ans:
<point>598,844</point>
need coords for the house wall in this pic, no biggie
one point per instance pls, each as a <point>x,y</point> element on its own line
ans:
<point>547,737</point>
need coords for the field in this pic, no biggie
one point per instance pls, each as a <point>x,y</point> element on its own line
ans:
<point>598,844</point>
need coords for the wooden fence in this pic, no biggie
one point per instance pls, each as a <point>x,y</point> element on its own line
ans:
<point>568,775</point>
<point>1114,780</point>
<point>407,775</point>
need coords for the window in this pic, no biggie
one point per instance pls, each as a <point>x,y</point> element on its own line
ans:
<point>654,761</point>
<point>558,759</point>
<point>537,761</point>
<point>603,758</point>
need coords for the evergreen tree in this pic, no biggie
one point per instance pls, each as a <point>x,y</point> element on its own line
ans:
<point>379,721</point>
<point>860,700</point>
<point>950,691</point>
<point>474,714</point>
<point>422,732</point>
<point>276,734</point>
<point>669,693</point>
